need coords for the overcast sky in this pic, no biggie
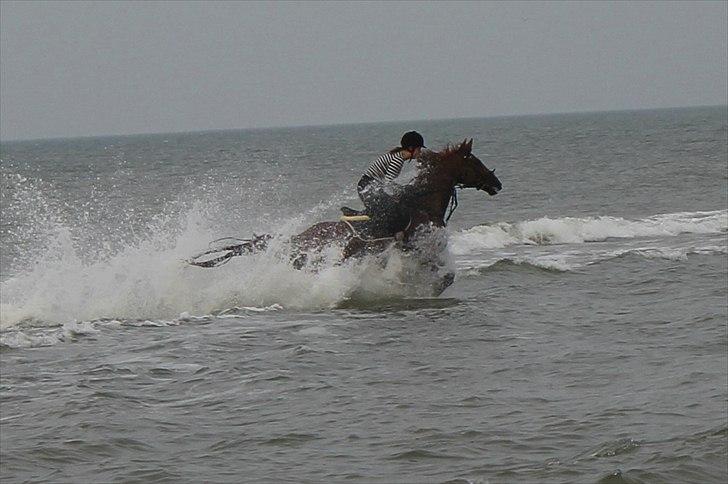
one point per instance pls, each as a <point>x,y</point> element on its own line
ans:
<point>87,68</point>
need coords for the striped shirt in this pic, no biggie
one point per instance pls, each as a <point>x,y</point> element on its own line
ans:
<point>386,168</point>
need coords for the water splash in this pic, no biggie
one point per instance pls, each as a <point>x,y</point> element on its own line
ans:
<point>146,277</point>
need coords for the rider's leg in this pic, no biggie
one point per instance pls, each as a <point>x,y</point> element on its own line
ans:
<point>372,197</point>
<point>364,189</point>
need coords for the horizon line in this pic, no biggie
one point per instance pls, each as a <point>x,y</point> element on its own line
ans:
<point>355,123</point>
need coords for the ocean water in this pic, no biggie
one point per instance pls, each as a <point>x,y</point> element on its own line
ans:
<point>585,338</point>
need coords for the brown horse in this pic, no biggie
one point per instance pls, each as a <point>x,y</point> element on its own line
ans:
<point>423,203</point>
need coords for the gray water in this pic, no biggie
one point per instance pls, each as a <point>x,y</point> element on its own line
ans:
<point>585,338</point>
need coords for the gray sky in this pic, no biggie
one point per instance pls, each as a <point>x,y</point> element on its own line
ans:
<point>85,68</point>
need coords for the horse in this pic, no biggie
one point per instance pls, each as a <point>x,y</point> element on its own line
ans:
<point>423,204</point>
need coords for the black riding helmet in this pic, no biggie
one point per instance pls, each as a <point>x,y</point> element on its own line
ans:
<point>412,140</point>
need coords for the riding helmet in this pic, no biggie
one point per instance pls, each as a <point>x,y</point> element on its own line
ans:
<point>412,139</point>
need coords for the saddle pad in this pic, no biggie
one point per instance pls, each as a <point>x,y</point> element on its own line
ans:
<point>354,218</point>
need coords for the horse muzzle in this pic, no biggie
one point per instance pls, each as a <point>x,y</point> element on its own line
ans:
<point>490,190</point>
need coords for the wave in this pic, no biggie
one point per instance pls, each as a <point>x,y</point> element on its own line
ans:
<point>670,253</point>
<point>68,280</point>
<point>574,260</point>
<point>509,264</point>
<point>572,230</point>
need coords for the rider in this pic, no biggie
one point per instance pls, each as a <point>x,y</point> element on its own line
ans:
<point>384,170</point>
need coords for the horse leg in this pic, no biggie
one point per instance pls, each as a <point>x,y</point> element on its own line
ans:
<point>358,247</point>
<point>444,282</point>
<point>298,260</point>
<point>315,239</point>
<point>353,248</point>
<point>256,244</point>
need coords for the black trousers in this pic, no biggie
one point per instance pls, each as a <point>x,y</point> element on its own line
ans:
<point>388,214</point>
<point>375,199</point>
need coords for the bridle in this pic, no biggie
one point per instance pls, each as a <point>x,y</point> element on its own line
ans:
<point>490,172</point>
<point>453,202</point>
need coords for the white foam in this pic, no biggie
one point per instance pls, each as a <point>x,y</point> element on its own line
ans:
<point>76,328</point>
<point>569,230</point>
<point>32,338</point>
<point>149,282</point>
<point>670,253</point>
<point>550,262</point>
<point>254,309</point>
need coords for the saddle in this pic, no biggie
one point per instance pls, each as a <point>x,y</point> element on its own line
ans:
<point>349,214</point>
<point>374,226</point>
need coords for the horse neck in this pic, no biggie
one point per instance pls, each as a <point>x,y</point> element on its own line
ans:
<point>439,182</point>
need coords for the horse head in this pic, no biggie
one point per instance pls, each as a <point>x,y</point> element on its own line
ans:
<point>432,189</point>
<point>472,173</point>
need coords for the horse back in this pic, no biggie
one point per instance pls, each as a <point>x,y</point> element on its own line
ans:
<point>323,233</point>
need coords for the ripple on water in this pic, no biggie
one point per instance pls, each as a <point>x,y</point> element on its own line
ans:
<point>613,448</point>
<point>422,454</point>
<point>290,439</point>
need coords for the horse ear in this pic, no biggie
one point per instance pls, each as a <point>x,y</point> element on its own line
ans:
<point>470,145</point>
<point>463,148</point>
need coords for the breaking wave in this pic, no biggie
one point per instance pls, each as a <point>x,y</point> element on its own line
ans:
<point>566,244</point>
<point>571,230</point>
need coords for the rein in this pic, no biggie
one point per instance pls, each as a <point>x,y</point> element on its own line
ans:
<point>454,198</point>
<point>453,203</point>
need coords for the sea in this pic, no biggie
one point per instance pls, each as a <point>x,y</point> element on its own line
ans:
<point>584,339</point>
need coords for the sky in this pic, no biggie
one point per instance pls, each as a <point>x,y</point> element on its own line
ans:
<point>72,69</point>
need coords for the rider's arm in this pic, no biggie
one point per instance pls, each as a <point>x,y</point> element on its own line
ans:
<point>394,168</point>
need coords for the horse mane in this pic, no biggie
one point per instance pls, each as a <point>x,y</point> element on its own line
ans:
<point>449,149</point>
<point>428,157</point>
<point>430,160</point>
